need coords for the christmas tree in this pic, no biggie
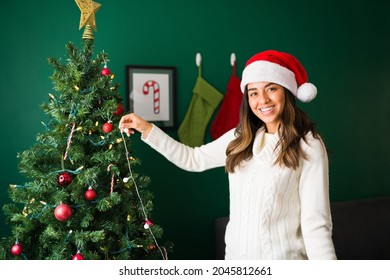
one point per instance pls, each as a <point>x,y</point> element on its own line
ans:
<point>82,200</point>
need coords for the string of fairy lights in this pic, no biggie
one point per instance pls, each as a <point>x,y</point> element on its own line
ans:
<point>147,221</point>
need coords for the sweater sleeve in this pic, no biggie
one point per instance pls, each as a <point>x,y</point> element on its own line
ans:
<point>196,159</point>
<point>316,218</point>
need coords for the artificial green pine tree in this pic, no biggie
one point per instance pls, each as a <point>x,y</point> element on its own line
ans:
<point>83,200</point>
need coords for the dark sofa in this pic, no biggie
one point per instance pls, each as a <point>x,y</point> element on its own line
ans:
<point>361,230</point>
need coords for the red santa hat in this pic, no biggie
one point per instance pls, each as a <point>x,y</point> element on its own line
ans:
<point>280,68</point>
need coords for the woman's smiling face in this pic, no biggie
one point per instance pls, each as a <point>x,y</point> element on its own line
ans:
<point>267,101</point>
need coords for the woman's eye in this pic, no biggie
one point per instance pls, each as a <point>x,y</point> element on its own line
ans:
<point>271,89</point>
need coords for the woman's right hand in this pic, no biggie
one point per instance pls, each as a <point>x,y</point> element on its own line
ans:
<point>131,122</point>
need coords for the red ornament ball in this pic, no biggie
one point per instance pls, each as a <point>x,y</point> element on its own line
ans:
<point>107,127</point>
<point>151,247</point>
<point>63,212</point>
<point>64,179</point>
<point>16,249</point>
<point>77,256</point>
<point>90,194</point>
<point>106,71</point>
<point>148,224</point>
<point>120,110</point>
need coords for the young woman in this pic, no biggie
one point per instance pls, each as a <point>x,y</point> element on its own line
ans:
<point>276,162</point>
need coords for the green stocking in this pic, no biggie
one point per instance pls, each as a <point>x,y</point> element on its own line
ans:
<point>205,100</point>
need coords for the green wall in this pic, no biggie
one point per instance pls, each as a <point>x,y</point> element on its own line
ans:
<point>344,47</point>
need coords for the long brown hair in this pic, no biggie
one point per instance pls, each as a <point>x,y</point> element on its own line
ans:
<point>295,124</point>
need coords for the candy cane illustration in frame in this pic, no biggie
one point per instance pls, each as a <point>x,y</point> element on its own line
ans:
<point>156,94</point>
<point>151,92</point>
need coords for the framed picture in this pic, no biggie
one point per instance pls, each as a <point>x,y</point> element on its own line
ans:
<point>151,93</point>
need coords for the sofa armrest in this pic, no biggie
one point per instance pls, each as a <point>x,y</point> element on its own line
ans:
<point>220,228</point>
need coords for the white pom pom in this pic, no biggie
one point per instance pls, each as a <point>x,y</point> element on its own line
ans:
<point>306,92</point>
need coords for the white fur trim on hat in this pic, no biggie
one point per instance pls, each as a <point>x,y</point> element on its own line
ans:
<point>306,92</point>
<point>265,71</point>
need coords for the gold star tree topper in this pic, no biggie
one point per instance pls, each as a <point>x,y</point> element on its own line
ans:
<point>88,9</point>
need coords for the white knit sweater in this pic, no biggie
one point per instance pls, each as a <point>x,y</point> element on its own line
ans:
<point>275,212</point>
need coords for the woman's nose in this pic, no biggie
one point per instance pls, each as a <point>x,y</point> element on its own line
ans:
<point>263,98</point>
